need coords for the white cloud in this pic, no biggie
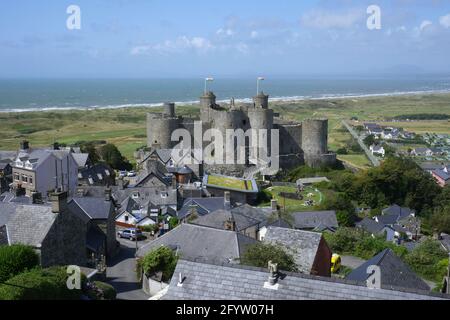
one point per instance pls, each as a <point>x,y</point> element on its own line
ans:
<point>254,34</point>
<point>445,21</point>
<point>424,24</point>
<point>180,44</point>
<point>328,20</point>
<point>225,32</point>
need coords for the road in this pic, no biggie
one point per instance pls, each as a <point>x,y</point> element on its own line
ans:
<point>355,135</point>
<point>121,272</point>
<point>352,262</point>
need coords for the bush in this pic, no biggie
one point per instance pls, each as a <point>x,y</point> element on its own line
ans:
<point>162,260</point>
<point>150,228</point>
<point>342,151</point>
<point>259,255</point>
<point>40,284</point>
<point>108,291</point>
<point>16,259</point>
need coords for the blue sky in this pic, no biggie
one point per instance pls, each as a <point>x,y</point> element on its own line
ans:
<point>156,38</point>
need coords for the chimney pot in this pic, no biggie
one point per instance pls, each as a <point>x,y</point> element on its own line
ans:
<point>273,270</point>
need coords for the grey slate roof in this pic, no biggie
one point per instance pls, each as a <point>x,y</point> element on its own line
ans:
<point>442,174</point>
<point>394,272</point>
<point>153,195</point>
<point>314,219</point>
<point>204,281</point>
<point>95,172</point>
<point>8,155</point>
<point>198,242</point>
<point>204,206</point>
<point>397,211</point>
<point>370,225</point>
<point>303,245</point>
<point>89,208</point>
<point>445,241</point>
<point>81,159</point>
<point>30,224</point>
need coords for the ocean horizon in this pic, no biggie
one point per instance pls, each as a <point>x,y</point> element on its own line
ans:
<point>22,95</point>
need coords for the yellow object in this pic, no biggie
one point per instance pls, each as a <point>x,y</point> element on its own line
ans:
<point>335,263</point>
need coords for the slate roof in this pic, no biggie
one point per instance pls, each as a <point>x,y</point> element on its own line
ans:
<point>204,206</point>
<point>315,219</point>
<point>396,210</point>
<point>394,272</point>
<point>303,245</point>
<point>89,208</point>
<point>8,155</point>
<point>445,241</point>
<point>144,176</point>
<point>442,174</point>
<point>95,172</point>
<point>205,281</point>
<point>370,225</point>
<point>81,159</point>
<point>198,242</point>
<point>30,224</point>
<point>153,195</point>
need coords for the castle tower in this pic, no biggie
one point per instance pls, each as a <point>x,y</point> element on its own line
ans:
<point>207,102</point>
<point>261,101</point>
<point>169,109</point>
<point>315,140</point>
<point>159,131</point>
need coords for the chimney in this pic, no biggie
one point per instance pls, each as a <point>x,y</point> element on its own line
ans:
<point>108,194</point>
<point>274,205</point>
<point>180,280</point>
<point>273,273</point>
<point>230,224</point>
<point>227,200</point>
<point>59,201</point>
<point>24,145</point>
<point>174,181</point>
<point>36,198</point>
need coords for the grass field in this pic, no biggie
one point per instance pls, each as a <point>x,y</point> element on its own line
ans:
<point>292,205</point>
<point>126,127</point>
<point>228,182</point>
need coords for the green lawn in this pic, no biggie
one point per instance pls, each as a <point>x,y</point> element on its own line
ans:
<point>228,182</point>
<point>291,205</point>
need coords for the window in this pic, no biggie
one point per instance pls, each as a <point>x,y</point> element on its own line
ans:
<point>16,177</point>
<point>126,218</point>
<point>24,178</point>
<point>31,180</point>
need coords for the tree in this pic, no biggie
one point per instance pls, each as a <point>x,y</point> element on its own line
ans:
<point>345,210</point>
<point>259,255</point>
<point>162,260</point>
<point>369,140</point>
<point>16,259</point>
<point>439,221</point>
<point>92,151</point>
<point>112,156</point>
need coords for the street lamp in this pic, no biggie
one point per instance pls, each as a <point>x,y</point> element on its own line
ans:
<point>210,79</point>
<point>257,84</point>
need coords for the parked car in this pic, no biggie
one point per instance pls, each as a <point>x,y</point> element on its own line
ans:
<point>335,263</point>
<point>131,234</point>
<point>122,174</point>
<point>132,174</point>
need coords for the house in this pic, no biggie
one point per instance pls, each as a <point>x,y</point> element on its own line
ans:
<point>162,197</point>
<point>99,174</point>
<point>442,176</point>
<point>377,150</point>
<point>199,242</point>
<point>309,249</point>
<point>82,159</point>
<point>375,228</point>
<point>316,221</point>
<point>243,219</point>
<point>242,190</point>
<point>392,134</point>
<point>56,233</point>
<point>198,280</point>
<point>394,272</point>
<point>43,170</point>
<point>422,152</point>
<point>99,216</point>
<point>201,206</point>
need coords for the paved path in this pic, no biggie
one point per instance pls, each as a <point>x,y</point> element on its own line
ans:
<point>355,135</point>
<point>122,275</point>
<point>352,262</point>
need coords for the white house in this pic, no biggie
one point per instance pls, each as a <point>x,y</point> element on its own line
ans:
<point>377,150</point>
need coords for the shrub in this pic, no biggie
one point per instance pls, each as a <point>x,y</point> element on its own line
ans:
<point>259,255</point>
<point>108,291</point>
<point>16,259</point>
<point>40,284</point>
<point>162,260</point>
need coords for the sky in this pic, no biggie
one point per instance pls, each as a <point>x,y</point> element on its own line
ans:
<point>169,38</point>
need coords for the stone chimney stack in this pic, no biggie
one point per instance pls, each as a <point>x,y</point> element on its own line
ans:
<point>36,198</point>
<point>273,273</point>
<point>24,145</point>
<point>227,200</point>
<point>108,194</point>
<point>230,225</point>
<point>174,181</point>
<point>59,201</point>
<point>274,205</point>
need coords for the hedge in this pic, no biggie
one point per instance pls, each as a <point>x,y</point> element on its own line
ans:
<point>16,259</point>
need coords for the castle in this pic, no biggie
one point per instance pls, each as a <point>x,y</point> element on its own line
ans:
<point>299,143</point>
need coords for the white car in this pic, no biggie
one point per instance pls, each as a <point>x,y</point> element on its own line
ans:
<point>131,174</point>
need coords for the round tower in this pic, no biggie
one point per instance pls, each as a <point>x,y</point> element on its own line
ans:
<point>315,141</point>
<point>207,102</point>
<point>262,121</point>
<point>169,109</point>
<point>159,131</point>
<point>261,100</point>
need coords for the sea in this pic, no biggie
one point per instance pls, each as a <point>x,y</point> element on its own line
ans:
<point>22,95</point>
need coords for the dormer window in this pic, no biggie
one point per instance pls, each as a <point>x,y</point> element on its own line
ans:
<point>164,195</point>
<point>135,195</point>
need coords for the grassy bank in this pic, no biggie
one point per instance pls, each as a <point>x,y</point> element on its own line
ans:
<point>126,127</point>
